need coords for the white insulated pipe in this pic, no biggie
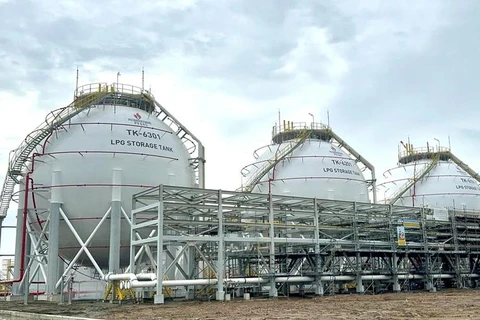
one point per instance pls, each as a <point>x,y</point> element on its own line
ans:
<point>252,280</point>
<point>246,280</point>
<point>146,276</point>
<point>147,279</point>
<point>121,276</point>
<point>140,284</point>
<point>169,283</point>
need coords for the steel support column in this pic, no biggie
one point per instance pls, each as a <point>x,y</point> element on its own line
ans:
<point>394,258</point>
<point>115,226</point>
<point>358,258</point>
<point>53,235</point>
<point>220,295</point>
<point>159,297</point>
<point>273,289</point>
<point>318,258</point>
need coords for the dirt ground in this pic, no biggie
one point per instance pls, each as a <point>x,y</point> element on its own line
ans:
<point>447,304</point>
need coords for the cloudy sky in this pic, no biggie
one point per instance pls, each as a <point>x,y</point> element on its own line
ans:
<point>385,70</point>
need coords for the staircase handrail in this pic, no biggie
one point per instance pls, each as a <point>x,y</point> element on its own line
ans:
<point>276,158</point>
<point>416,177</point>
<point>19,156</point>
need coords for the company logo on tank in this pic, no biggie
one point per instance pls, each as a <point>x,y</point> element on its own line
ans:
<point>335,151</point>
<point>137,120</point>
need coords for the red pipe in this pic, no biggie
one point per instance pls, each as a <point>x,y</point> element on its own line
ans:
<point>35,207</point>
<point>24,227</point>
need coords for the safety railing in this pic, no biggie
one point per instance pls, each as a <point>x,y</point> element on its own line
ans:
<point>112,88</point>
<point>291,126</point>
<point>416,177</point>
<point>411,151</point>
<point>277,157</point>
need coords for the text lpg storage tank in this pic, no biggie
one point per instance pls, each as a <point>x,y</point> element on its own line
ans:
<point>306,160</point>
<point>106,152</point>
<point>430,176</point>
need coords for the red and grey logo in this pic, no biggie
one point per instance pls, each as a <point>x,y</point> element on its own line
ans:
<point>137,116</point>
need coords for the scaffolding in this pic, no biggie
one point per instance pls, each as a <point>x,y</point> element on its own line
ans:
<point>264,244</point>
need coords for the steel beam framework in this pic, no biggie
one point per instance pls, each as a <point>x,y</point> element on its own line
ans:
<point>277,245</point>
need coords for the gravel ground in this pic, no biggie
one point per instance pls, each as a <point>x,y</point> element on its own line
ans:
<point>448,304</point>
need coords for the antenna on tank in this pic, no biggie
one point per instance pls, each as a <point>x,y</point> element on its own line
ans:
<point>143,78</point>
<point>76,86</point>
<point>279,120</point>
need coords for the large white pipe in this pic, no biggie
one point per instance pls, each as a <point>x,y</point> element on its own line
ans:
<point>293,279</point>
<point>437,276</point>
<point>146,276</point>
<point>250,280</point>
<point>134,283</point>
<point>140,284</point>
<point>170,283</point>
<point>245,280</point>
<point>337,278</point>
<point>121,276</point>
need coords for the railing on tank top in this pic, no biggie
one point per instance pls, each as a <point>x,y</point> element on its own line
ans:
<point>420,150</point>
<point>103,87</point>
<point>291,126</point>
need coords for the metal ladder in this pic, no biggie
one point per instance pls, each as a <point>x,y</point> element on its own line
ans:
<point>418,176</point>
<point>272,162</point>
<point>19,156</point>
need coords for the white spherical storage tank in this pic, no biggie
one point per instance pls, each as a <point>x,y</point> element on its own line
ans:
<point>115,143</point>
<point>431,177</point>
<point>303,160</point>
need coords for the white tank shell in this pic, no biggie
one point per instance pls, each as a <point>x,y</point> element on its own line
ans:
<point>446,186</point>
<point>316,169</point>
<point>86,151</point>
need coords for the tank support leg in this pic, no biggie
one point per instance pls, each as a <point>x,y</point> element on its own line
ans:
<point>17,289</point>
<point>159,297</point>
<point>115,227</point>
<point>53,237</point>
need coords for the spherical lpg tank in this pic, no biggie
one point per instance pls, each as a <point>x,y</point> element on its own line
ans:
<point>303,160</point>
<point>432,177</point>
<point>116,142</point>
